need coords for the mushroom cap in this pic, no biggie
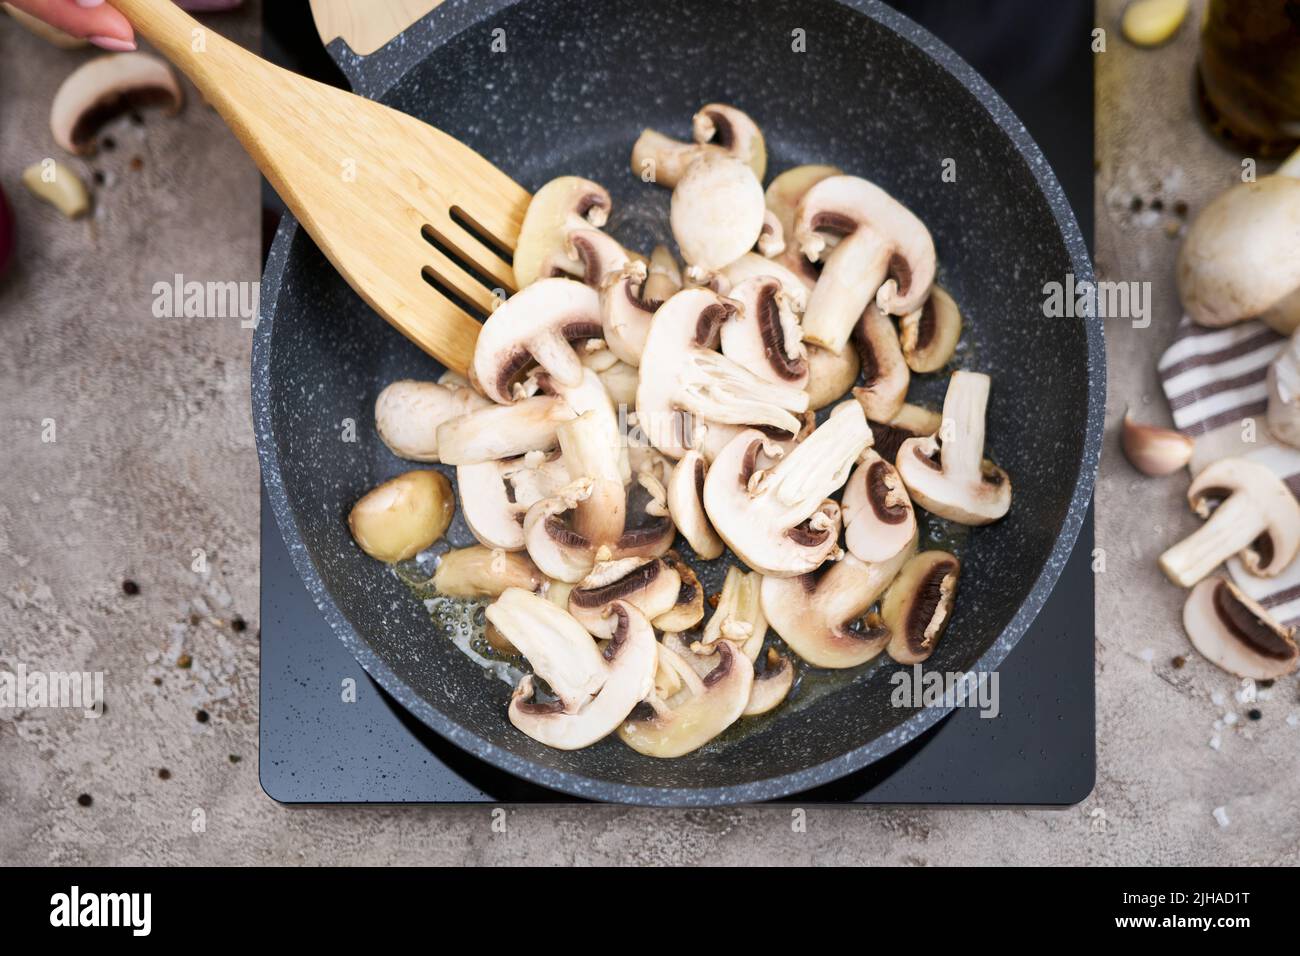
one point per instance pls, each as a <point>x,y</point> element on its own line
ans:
<point>557,647</point>
<point>1236,634</point>
<point>911,421</point>
<point>1241,257</point>
<point>763,335</point>
<point>885,374</point>
<point>878,517</point>
<point>105,86</point>
<point>536,324</point>
<point>784,192</point>
<point>408,413</point>
<point>752,265</point>
<point>709,707</point>
<point>929,335</point>
<point>918,605</point>
<point>556,210</point>
<point>686,505</point>
<point>716,212</point>
<point>820,614</point>
<point>558,550</point>
<point>830,375</point>
<point>648,584</point>
<point>495,495</point>
<point>771,685</point>
<point>718,124</point>
<point>625,314</point>
<point>629,661</point>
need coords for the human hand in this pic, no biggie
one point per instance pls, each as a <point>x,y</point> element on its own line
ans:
<point>92,19</point>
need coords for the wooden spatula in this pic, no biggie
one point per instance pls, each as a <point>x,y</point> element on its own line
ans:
<point>418,223</point>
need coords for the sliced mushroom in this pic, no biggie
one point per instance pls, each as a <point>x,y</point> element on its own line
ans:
<point>403,516</point>
<point>771,238</point>
<point>918,605</point>
<point>777,517</point>
<point>911,421</point>
<point>495,496</point>
<point>716,213</point>
<point>739,615</point>
<point>649,531</point>
<point>680,372</point>
<point>408,413</point>
<point>626,311</point>
<point>619,378</point>
<point>557,210</point>
<point>1236,634</point>
<point>886,255</point>
<point>704,708</point>
<point>763,335</point>
<point>663,277</point>
<point>751,265</point>
<point>884,370</point>
<point>104,87</point>
<point>947,474</point>
<point>624,671</point>
<point>929,335</point>
<point>537,323</point>
<point>686,505</point>
<point>557,549</point>
<point>688,605</point>
<point>784,192</point>
<point>648,584</point>
<point>591,450</point>
<point>830,375</point>
<point>479,572</point>
<point>494,432</point>
<point>718,130</point>
<point>822,615</point>
<point>878,517</point>
<point>771,685</point>
<point>1250,512</point>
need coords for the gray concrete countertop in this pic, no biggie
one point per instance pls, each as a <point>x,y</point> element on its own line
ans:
<point>154,459</point>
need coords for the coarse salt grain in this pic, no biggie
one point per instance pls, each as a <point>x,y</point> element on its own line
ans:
<point>1221,815</point>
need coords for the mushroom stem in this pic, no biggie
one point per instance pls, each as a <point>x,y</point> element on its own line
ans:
<point>558,647</point>
<point>679,666</point>
<point>962,431</point>
<point>588,453</point>
<point>822,461</point>
<point>848,284</point>
<point>722,391</point>
<point>1233,526</point>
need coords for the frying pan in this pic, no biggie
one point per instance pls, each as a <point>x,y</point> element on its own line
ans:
<point>576,82</point>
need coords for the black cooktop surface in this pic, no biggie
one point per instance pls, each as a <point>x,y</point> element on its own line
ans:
<point>316,747</point>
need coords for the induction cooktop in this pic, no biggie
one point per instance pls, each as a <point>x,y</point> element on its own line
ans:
<point>318,745</point>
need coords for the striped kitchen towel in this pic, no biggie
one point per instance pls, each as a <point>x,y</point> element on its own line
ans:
<point>1214,380</point>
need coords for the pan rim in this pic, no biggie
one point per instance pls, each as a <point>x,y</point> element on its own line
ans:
<point>575,784</point>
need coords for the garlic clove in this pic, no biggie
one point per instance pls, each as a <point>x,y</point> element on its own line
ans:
<point>1155,451</point>
<point>59,186</point>
<point>1152,22</point>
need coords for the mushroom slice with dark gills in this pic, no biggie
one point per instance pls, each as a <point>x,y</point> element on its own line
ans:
<point>703,708</point>
<point>763,334</point>
<point>782,197</point>
<point>107,86</point>
<point>911,421</point>
<point>626,311</point>
<point>495,496</point>
<point>771,685</point>
<point>717,128</point>
<point>918,605</point>
<point>739,615</point>
<point>558,648</point>
<point>546,247</point>
<point>885,255</point>
<point>686,505</point>
<point>688,603</point>
<point>592,450</point>
<point>537,323</point>
<point>823,615</point>
<point>648,584</point>
<point>751,266</point>
<point>624,671</point>
<point>1249,512</point>
<point>684,382</point>
<point>649,531</point>
<point>884,370</point>
<point>946,473</point>
<point>929,335</point>
<point>878,517</point>
<point>777,517</point>
<point>1237,634</point>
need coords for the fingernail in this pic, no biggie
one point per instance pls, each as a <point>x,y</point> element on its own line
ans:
<point>89,3</point>
<point>113,44</point>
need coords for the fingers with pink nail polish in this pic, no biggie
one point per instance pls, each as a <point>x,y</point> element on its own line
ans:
<point>94,20</point>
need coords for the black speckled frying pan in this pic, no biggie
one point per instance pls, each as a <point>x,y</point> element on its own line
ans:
<point>873,94</point>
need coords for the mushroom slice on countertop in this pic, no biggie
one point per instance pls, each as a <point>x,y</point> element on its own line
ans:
<point>557,647</point>
<point>1237,634</point>
<point>101,88</point>
<point>479,572</point>
<point>1250,512</point>
<point>946,473</point>
<point>763,335</point>
<point>777,517</point>
<point>752,265</point>
<point>884,370</point>
<point>494,432</point>
<point>626,311</point>
<point>771,685</point>
<point>702,709</point>
<point>878,517</point>
<point>739,615</point>
<point>886,255</point>
<point>559,208</point>
<point>718,129</point>
<point>688,604</point>
<point>686,505</point>
<point>929,335</point>
<point>680,372</point>
<point>408,413</point>
<point>495,496</point>
<point>910,421</point>
<point>918,604</point>
<point>537,323</point>
<point>648,584</point>
<point>822,615</point>
<point>627,669</point>
<point>716,213</point>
